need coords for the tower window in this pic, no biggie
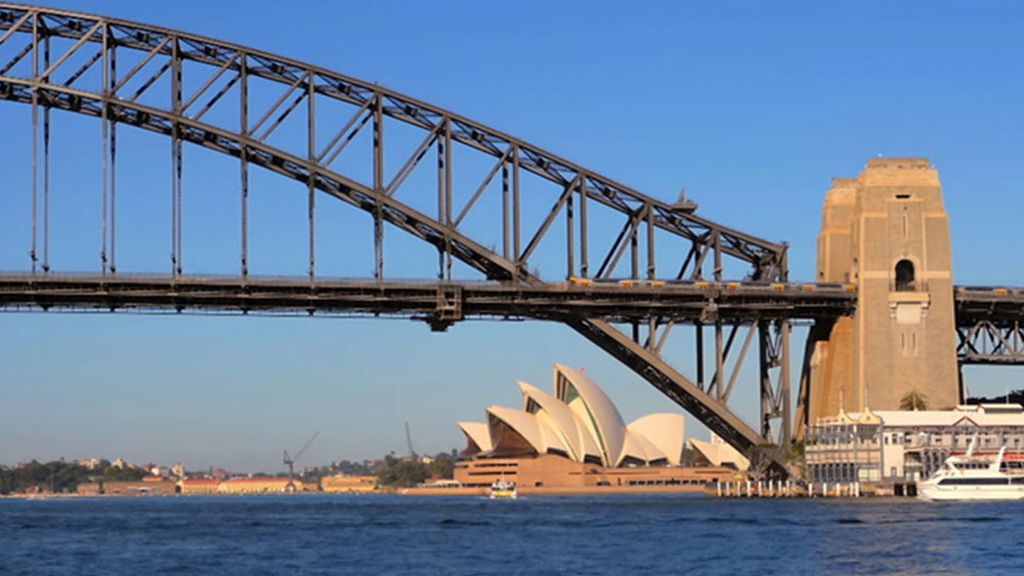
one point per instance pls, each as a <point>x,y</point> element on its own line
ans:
<point>904,276</point>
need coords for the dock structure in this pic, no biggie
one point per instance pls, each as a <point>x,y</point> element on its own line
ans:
<point>791,489</point>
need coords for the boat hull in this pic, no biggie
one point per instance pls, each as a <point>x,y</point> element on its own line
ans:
<point>927,491</point>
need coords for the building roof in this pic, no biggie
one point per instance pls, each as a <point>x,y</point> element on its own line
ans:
<point>718,453</point>
<point>579,421</point>
<point>532,429</point>
<point>636,448</point>
<point>595,408</point>
<point>478,434</point>
<point>974,415</point>
<point>562,420</point>
<point>665,431</point>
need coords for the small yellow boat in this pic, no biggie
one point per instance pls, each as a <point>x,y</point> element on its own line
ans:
<point>503,489</point>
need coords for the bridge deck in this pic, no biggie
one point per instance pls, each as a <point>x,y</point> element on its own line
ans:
<point>618,300</point>
<point>612,300</point>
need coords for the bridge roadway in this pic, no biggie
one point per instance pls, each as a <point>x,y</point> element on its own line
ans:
<point>612,300</point>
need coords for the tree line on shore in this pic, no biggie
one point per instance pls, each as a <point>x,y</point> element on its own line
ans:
<point>61,476</point>
<point>394,471</point>
<point>1014,397</point>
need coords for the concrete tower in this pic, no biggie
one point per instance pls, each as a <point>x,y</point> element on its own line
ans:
<point>887,232</point>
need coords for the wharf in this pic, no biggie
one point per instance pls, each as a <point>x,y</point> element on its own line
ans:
<point>556,490</point>
<point>788,489</point>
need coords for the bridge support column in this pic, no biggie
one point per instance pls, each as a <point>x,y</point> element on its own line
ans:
<point>887,232</point>
<point>775,382</point>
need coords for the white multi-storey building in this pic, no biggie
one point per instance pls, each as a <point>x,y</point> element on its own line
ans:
<point>908,445</point>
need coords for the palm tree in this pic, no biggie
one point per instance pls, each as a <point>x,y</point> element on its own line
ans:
<point>913,400</point>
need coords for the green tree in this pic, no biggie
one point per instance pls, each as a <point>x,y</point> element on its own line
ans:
<point>351,468</point>
<point>57,476</point>
<point>913,400</point>
<point>761,458</point>
<point>443,466</point>
<point>403,473</point>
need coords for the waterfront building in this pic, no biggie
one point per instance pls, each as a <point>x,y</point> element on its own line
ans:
<point>348,484</point>
<point>158,487</point>
<point>198,485</point>
<point>891,445</point>
<point>262,485</point>
<point>242,486</point>
<point>575,439</point>
<point>88,489</point>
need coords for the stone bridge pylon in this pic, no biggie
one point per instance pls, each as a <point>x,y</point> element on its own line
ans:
<point>887,232</point>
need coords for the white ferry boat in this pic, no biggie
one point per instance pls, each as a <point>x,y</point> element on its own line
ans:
<point>968,478</point>
<point>503,489</point>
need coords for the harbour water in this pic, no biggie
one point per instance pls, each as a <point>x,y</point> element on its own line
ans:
<point>383,534</point>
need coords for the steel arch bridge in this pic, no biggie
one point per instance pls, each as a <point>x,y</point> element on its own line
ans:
<point>624,287</point>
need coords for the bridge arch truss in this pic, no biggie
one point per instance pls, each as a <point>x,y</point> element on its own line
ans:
<point>112,69</point>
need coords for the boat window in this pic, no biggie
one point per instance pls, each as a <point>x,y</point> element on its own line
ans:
<point>973,482</point>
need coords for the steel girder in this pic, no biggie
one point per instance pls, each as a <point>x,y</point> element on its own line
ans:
<point>333,296</point>
<point>989,325</point>
<point>988,342</point>
<point>125,98</point>
<point>235,64</point>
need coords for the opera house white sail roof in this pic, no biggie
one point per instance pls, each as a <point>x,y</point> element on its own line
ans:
<point>718,453</point>
<point>578,422</point>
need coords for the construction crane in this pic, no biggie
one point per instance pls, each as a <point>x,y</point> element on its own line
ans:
<point>408,441</point>
<point>290,461</point>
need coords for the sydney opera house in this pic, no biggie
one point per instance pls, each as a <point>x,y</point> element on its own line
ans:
<point>575,440</point>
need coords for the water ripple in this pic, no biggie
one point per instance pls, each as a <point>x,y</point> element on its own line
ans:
<point>327,534</point>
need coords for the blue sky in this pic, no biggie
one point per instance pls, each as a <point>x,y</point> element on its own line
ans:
<point>752,107</point>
